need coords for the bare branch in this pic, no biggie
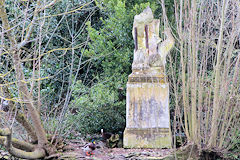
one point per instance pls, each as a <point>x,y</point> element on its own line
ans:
<point>48,5</point>
<point>31,25</point>
<point>5,23</point>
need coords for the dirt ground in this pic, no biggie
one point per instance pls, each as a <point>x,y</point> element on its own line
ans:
<point>104,153</point>
<point>74,151</point>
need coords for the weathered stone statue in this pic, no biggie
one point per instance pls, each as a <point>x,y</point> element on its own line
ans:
<point>147,119</point>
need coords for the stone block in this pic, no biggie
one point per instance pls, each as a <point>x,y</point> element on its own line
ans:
<point>147,117</point>
<point>147,138</point>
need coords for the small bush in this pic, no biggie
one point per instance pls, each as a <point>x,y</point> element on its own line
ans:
<point>97,107</point>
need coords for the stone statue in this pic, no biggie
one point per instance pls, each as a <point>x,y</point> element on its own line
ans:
<point>149,53</point>
<point>147,98</point>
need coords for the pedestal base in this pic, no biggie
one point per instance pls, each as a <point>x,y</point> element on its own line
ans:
<point>147,138</point>
<point>147,114</point>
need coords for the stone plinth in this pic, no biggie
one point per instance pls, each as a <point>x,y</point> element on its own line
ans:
<point>147,119</point>
<point>147,138</point>
<point>147,113</point>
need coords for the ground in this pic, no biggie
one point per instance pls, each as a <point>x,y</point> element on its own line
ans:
<point>104,153</point>
<point>72,150</point>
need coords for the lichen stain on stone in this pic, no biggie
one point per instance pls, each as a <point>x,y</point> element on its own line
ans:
<point>147,105</point>
<point>135,120</point>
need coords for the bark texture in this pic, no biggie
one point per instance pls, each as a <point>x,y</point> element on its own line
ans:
<point>36,154</point>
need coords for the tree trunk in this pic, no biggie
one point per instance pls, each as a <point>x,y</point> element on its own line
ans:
<point>27,99</point>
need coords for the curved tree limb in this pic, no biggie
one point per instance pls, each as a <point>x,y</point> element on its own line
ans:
<point>19,144</point>
<point>36,154</point>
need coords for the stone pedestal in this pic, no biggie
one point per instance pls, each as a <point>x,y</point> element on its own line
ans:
<point>148,124</point>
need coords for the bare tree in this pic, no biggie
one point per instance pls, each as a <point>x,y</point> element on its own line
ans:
<point>207,92</point>
<point>17,33</point>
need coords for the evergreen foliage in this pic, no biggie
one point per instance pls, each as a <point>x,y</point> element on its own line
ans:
<point>100,100</point>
